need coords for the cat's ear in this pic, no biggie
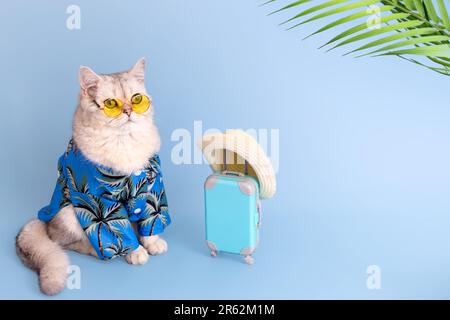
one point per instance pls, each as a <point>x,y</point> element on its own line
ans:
<point>88,79</point>
<point>138,71</point>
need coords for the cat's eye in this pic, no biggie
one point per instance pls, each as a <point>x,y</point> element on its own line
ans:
<point>140,103</point>
<point>137,98</point>
<point>113,107</point>
<point>111,103</point>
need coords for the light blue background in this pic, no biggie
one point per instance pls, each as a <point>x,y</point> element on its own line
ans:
<point>364,173</point>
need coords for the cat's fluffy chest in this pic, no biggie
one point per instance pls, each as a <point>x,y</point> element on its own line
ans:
<point>125,150</point>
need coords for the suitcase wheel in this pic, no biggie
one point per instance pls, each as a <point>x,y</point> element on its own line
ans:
<point>249,260</point>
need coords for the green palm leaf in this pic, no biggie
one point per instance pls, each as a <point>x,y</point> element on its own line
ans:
<point>364,26</point>
<point>345,8</point>
<point>407,34</point>
<point>444,13</point>
<point>351,17</point>
<point>403,28</point>
<point>409,42</point>
<point>319,7</point>
<point>368,34</point>
<point>435,51</point>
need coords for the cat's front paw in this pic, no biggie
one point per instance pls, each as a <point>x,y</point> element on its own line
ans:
<point>154,244</point>
<point>138,256</point>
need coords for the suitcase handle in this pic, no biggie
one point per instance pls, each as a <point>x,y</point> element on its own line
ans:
<point>224,154</point>
<point>232,173</point>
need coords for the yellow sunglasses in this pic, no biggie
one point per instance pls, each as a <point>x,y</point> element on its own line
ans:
<point>114,107</point>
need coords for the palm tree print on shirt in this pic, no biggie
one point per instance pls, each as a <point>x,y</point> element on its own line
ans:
<point>106,202</point>
<point>96,217</point>
<point>146,197</point>
<point>62,182</point>
<point>156,210</point>
<point>122,187</point>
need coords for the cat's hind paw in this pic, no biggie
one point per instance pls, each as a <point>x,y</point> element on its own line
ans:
<point>138,256</point>
<point>154,244</point>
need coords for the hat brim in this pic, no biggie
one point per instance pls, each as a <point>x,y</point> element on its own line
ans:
<point>245,147</point>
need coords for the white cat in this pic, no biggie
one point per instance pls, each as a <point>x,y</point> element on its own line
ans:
<point>123,143</point>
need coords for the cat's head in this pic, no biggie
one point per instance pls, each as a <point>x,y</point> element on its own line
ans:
<point>113,124</point>
<point>115,100</point>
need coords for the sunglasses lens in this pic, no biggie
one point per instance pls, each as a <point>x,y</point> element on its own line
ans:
<point>112,108</point>
<point>140,103</point>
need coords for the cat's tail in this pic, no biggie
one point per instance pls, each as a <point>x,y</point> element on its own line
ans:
<point>38,252</point>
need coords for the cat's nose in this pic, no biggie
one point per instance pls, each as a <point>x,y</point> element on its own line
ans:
<point>127,109</point>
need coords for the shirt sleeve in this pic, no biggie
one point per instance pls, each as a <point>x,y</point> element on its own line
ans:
<point>155,216</point>
<point>60,197</point>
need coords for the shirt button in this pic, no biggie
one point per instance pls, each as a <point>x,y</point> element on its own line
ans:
<point>138,210</point>
<point>138,173</point>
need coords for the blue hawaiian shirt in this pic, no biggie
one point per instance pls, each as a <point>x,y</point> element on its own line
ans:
<point>106,202</point>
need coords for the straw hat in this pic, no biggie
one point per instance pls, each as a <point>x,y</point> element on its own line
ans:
<point>239,146</point>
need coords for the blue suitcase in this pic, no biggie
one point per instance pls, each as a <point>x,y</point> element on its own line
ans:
<point>232,213</point>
